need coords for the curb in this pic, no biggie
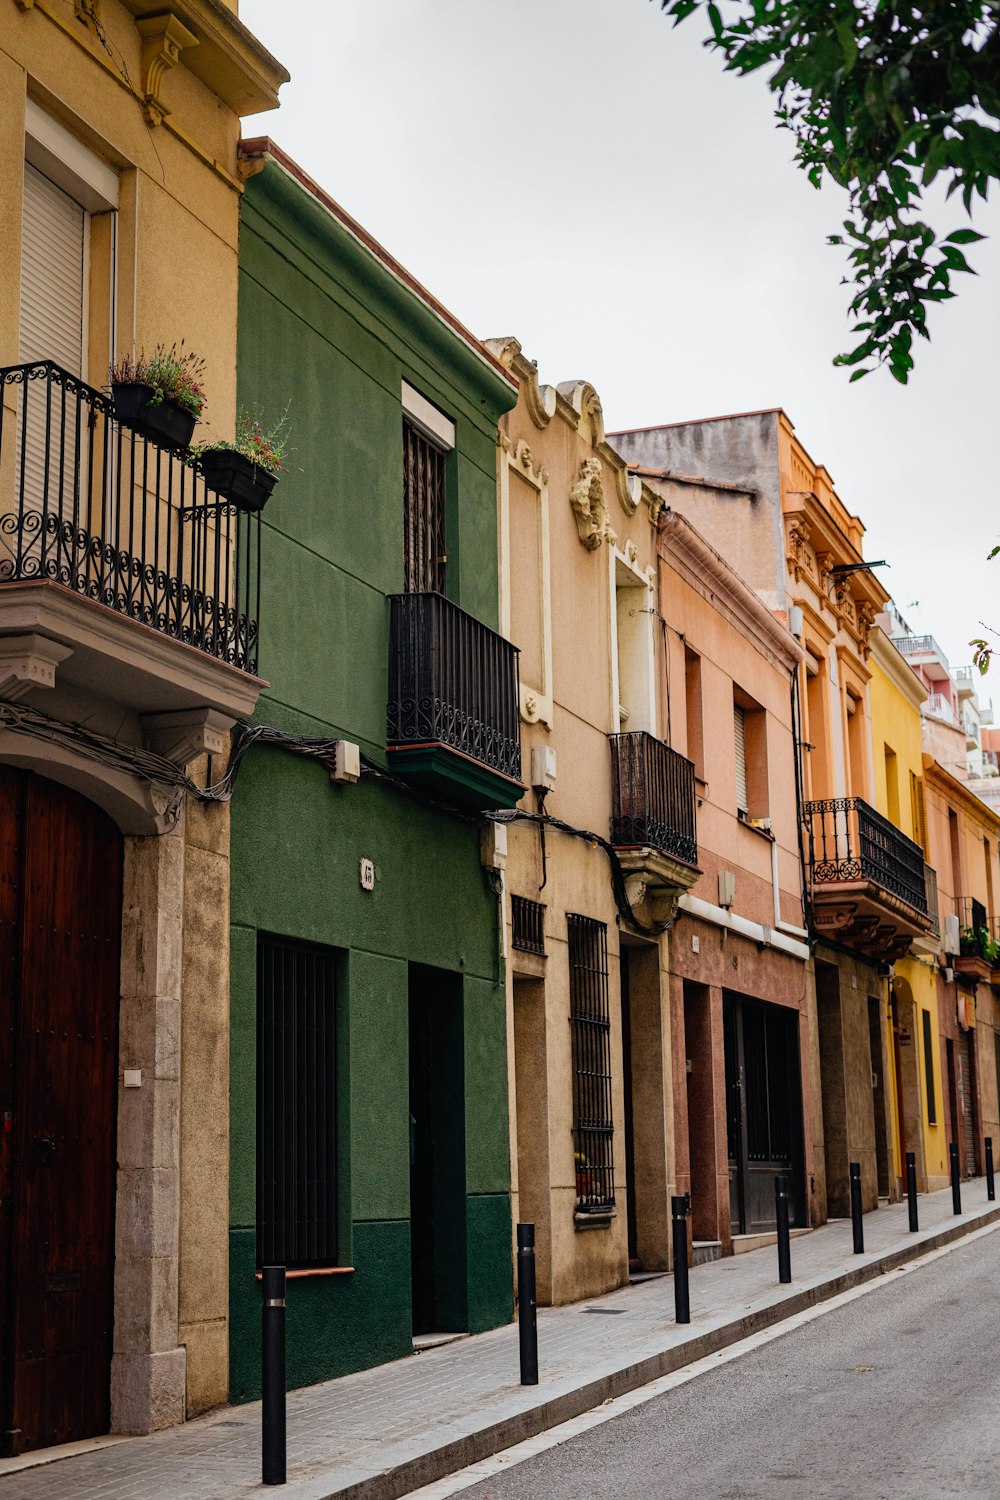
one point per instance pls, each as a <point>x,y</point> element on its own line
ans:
<point>474,1446</point>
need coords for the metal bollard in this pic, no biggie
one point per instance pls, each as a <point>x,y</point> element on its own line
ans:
<point>272,1346</point>
<point>857,1222</point>
<point>911,1189</point>
<point>990,1184</point>
<point>682,1297</point>
<point>956,1181</point>
<point>781,1218</point>
<point>527,1307</point>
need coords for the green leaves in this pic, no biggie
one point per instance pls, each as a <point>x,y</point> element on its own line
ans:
<point>882,97</point>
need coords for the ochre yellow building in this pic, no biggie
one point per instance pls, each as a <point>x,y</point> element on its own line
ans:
<point>911,1011</point>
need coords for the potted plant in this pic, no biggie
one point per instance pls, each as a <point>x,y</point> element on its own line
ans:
<point>161,395</point>
<point>245,470</point>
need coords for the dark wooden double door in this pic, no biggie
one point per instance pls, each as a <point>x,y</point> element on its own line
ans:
<point>764,1111</point>
<point>60,938</point>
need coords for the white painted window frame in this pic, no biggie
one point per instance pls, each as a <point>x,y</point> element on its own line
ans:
<point>645,579</point>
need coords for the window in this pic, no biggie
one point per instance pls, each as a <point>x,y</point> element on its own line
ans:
<point>527,919</point>
<point>925,1016</point>
<point>593,1129</point>
<point>919,809</point>
<point>891,786</point>
<point>296,1105</point>
<point>693,712</point>
<point>740,727</point>
<point>750,733</point>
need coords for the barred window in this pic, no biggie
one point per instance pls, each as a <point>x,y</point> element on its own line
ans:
<point>593,1129</point>
<point>527,924</point>
<point>296,1105</point>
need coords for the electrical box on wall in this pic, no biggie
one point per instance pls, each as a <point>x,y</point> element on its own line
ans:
<point>493,846</point>
<point>543,768</point>
<point>727,888</point>
<point>346,762</point>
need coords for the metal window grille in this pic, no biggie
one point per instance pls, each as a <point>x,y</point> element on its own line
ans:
<point>296,1105</point>
<point>527,920</point>
<point>423,512</point>
<point>593,1128</point>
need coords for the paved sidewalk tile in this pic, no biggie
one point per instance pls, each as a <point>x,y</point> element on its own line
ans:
<point>349,1431</point>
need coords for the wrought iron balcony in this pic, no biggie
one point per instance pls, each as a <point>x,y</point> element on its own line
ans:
<point>653,820</point>
<point>452,718</point>
<point>120,519</point>
<point>868,881</point>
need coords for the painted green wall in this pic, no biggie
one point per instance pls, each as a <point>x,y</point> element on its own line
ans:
<point>325,327</point>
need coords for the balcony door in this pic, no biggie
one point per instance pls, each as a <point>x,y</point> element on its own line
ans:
<point>424,555</point>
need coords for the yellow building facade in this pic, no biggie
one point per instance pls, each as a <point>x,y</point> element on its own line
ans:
<point>911,1011</point>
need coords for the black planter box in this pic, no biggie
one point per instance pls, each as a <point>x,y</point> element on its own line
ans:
<point>165,422</point>
<point>237,478</point>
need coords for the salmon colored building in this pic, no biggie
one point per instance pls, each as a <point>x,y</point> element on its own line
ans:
<point>776,516</point>
<point>742,1003</point>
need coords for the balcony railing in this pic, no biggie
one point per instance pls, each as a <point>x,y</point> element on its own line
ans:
<point>122,519</point>
<point>918,645</point>
<point>452,682</point>
<point>653,797</point>
<point>850,841</point>
<point>938,707</point>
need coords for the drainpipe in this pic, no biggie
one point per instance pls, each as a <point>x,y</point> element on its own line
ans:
<point>779,925</point>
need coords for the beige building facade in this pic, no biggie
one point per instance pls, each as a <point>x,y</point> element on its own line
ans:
<point>594,872</point>
<point>127,651</point>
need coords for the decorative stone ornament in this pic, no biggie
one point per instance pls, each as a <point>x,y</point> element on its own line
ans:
<point>589,507</point>
<point>163,40</point>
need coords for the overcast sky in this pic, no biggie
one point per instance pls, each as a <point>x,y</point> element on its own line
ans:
<point>583,176</point>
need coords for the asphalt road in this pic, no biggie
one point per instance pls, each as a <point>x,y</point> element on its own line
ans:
<point>893,1396</point>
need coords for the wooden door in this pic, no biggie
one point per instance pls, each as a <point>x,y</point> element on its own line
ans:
<point>60,909</point>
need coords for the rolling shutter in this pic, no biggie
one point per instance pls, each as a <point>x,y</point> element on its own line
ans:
<point>52,307</point>
<point>739,727</point>
<point>52,258</point>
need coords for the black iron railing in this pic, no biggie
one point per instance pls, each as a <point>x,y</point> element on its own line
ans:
<point>527,920</point>
<point>977,939</point>
<point>847,840</point>
<point>653,797</point>
<point>88,502</point>
<point>452,681</point>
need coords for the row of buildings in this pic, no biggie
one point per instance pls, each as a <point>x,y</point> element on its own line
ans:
<point>512,821</point>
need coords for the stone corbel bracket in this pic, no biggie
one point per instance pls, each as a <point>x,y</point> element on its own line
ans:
<point>164,38</point>
<point>184,736</point>
<point>587,499</point>
<point>29,661</point>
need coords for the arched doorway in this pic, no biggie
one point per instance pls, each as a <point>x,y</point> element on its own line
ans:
<point>60,942</point>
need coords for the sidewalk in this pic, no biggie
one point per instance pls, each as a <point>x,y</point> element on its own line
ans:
<point>379,1434</point>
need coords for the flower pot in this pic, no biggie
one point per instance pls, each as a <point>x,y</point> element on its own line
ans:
<point>237,478</point>
<point>165,422</point>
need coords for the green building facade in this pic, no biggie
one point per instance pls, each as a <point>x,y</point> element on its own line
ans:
<point>368,1075</point>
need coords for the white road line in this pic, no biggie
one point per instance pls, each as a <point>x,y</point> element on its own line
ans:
<point>489,1468</point>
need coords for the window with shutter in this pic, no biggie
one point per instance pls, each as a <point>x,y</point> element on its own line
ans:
<point>53,254</point>
<point>739,727</point>
<point>52,274</point>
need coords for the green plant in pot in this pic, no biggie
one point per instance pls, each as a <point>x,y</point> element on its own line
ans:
<point>245,470</point>
<point>161,395</point>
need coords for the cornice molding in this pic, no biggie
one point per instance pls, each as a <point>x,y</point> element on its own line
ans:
<point>711,576</point>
